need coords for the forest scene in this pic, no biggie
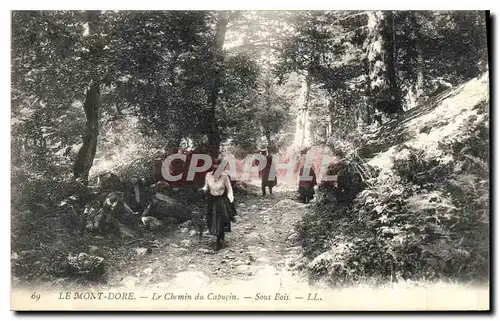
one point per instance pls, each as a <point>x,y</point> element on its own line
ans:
<point>397,102</point>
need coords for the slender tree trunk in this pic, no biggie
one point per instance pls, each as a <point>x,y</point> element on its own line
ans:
<point>304,112</point>
<point>267,126</point>
<point>331,112</point>
<point>214,139</point>
<point>419,84</point>
<point>85,156</point>
<point>269,146</point>
<point>381,54</point>
<point>367,107</point>
<point>329,125</point>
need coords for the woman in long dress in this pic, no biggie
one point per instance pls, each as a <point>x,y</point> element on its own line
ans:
<point>220,207</point>
<point>307,178</point>
<point>268,174</point>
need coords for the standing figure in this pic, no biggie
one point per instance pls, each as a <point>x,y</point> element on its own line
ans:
<point>307,179</point>
<point>220,207</point>
<point>268,174</point>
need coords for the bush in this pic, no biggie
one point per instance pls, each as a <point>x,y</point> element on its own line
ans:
<point>427,218</point>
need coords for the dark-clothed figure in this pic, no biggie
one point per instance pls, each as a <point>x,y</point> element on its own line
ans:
<point>307,180</point>
<point>268,174</point>
<point>220,207</point>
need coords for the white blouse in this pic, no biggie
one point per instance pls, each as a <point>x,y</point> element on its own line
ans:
<point>216,186</point>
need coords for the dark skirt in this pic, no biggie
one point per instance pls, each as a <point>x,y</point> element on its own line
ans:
<point>268,182</point>
<point>220,213</point>
<point>306,191</point>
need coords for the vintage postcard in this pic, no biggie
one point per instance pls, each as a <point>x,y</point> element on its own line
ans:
<point>250,160</point>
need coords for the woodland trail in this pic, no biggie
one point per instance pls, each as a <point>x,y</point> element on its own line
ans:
<point>262,245</point>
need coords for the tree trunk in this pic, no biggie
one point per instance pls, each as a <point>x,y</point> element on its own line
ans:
<point>332,114</point>
<point>303,119</point>
<point>419,85</point>
<point>380,57</point>
<point>329,126</point>
<point>214,139</point>
<point>269,146</point>
<point>85,156</point>
<point>367,107</point>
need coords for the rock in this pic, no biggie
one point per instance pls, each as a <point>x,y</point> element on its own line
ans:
<point>165,206</point>
<point>184,230</point>
<point>186,243</point>
<point>236,263</point>
<point>143,251</point>
<point>85,265</point>
<point>263,260</point>
<point>241,205</point>
<point>206,251</point>
<point>192,233</point>
<point>253,236</point>
<point>147,271</point>
<point>151,222</point>
<point>129,281</point>
<point>192,266</point>
<point>174,245</point>
<point>262,249</point>
<point>188,223</point>
<point>14,256</point>
<point>292,236</point>
<point>156,243</point>
<point>249,273</point>
<point>93,248</point>
<point>254,206</point>
<point>27,252</point>
<point>242,268</point>
<point>108,181</point>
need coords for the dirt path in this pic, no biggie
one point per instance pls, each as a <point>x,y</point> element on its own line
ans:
<point>262,244</point>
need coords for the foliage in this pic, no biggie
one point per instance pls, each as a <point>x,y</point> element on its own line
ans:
<point>156,72</point>
<point>424,219</point>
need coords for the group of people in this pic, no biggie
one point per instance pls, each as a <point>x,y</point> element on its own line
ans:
<point>307,177</point>
<point>220,206</point>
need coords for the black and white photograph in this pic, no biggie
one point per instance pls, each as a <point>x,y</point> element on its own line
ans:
<point>250,160</point>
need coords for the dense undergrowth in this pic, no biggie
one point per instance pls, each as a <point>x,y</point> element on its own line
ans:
<point>51,211</point>
<point>425,218</point>
<point>45,228</point>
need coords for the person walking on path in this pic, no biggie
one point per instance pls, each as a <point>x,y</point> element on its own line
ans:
<point>220,205</point>
<point>268,174</point>
<point>307,178</point>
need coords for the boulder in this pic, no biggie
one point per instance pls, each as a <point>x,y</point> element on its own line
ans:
<point>93,248</point>
<point>165,206</point>
<point>143,251</point>
<point>107,182</point>
<point>85,265</point>
<point>147,271</point>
